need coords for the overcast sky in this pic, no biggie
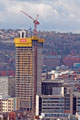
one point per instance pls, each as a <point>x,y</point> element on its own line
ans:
<point>54,15</point>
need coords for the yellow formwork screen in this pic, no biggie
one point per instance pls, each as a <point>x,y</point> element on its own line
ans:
<point>41,40</point>
<point>26,42</point>
<point>23,42</point>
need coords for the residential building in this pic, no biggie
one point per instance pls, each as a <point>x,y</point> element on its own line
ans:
<point>28,70</point>
<point>7,86</point>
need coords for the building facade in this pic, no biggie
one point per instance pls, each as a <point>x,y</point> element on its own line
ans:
<point>56,101</point>
<point>7,86</point>
<point>8,104</point>
<point>28,70</point>
<point>76,105</point>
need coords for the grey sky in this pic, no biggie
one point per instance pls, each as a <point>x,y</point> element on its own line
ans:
<point>56,15</point>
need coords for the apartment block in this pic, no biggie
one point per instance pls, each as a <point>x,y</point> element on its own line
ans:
<point>7,86</point>
<point>28,70</point>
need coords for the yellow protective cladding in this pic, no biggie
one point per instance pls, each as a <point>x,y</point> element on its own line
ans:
<point>39,40</point>
<point>26,42</point>
<point>23,42</point>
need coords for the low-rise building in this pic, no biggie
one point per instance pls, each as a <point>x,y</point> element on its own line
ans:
<point>56,101</point>
<point>8,104</point>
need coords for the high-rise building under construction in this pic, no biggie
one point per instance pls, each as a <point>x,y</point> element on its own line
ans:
<point>28,70</point>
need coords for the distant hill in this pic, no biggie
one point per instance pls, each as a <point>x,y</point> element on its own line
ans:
<point>55,43</point>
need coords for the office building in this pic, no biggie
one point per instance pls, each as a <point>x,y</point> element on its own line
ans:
<point>52,87</point>
<point>28,70</point>
<point>76,105</point>
<point>56,101</point>
<point>53,107</point>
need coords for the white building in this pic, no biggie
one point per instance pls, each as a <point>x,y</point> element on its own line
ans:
<point>7,86</point>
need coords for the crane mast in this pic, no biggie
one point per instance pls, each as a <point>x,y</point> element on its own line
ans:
<point>35,21</point>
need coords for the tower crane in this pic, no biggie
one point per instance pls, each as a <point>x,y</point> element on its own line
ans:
<point>35,21</point>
